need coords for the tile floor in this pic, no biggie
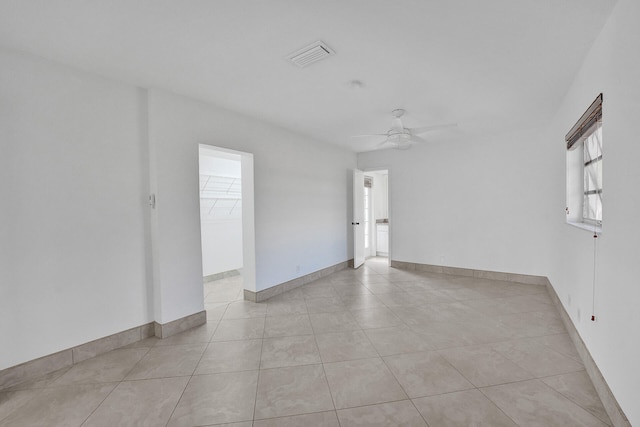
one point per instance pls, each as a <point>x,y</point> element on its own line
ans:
<point>372,347</point>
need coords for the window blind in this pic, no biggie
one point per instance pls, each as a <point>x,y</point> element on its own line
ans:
<point>588,119</point>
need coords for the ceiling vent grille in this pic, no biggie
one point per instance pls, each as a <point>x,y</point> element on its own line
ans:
<point>310,54</point>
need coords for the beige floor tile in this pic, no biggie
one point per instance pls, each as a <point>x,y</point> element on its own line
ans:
<point>293,294</point>
<point>12,400</point>
<point>362,382</point>
<point>285,326</point>
<point>418,315</point>
<point>462,294</point>
<point>198,335</point>
<point>489,306</point>
<point>317,290</point>
<point>430,297</point>
<point>484,331</point>
<point>144,343</point>
<point>399,298</point>
<point>319,419</point>
<point>39,382</point>
<point>239,329</point>
<point>560,343</point>
<point>362,301</point>
<point>540,360</point>
<point>462,409</point>
<point>59,406</point>
<point>351,289</point>
<point>216,399</point>
<point>435,344</point>
<point>456,311</point>
<point>348,345</point>
<point>380,317</point>
<point>442,335</point>
<point>396,340</point>
<point>223,293</point>
<point>109,367</point>
<point>240,424</point>
<point>374,279</point>
<point>426,373</point>
<point>324,305</point>
<point>382,288</point>
<point>526,303</point>
<point>523,325</point>
<point>333,322</point>
<point>292,391</point>
<point>414,286</point>
<point>140,403</point>
<point>215,311</point>
<point>484,366</point>
<point>283,308</point>
<point>244,310</point>
<point>532,403</point>
<point>289,351</point>
<point>578,388</point>
<point>230,356</point>
<point>401,413</point>
<point>168,361</point>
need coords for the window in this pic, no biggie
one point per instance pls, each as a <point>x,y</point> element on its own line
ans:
<point>584,169</point>
<point>592,200</point>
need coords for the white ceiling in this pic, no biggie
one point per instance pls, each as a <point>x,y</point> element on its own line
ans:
<point>491,65</point>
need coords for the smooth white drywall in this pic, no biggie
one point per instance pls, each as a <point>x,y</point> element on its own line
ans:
<point>221,246</point>
<point>472,204</point>
<point>380,194</point>
<point>612,67</point>
<point>301,196</point>
<point>73,177</point>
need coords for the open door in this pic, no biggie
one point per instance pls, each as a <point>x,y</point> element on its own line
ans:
<point>358,218</point>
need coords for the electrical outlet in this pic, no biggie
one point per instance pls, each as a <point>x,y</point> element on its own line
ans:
<point>297,269</point>
<point>569,300</point>
<point>441,259</point>
<point>579,314</point>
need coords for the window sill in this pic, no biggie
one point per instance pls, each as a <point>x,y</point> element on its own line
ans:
<point>586,226</point>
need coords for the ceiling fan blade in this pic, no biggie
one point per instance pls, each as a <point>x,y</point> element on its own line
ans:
<point>367,135</point>
<point>384,144</point>
<point>423,129</point>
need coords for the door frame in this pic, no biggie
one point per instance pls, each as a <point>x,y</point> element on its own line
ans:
<point>248,215</point>
<point>389,204</point>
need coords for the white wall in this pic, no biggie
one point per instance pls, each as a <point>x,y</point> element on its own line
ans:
<point>471,204</point>
<point>379,194</point>
<point>82,257</point>
<point>73,178</point>
<point>301,197</point>
<point>612,67</point>
<point>221,245</point>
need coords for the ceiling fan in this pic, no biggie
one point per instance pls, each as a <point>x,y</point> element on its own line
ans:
<point>400,137</point>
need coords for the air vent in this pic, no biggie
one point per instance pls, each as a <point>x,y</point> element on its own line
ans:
<point>310,54</point>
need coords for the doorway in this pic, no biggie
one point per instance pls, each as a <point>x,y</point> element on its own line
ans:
<point>227,243</point>
<point>371,226</point>
<point>377,213</point>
